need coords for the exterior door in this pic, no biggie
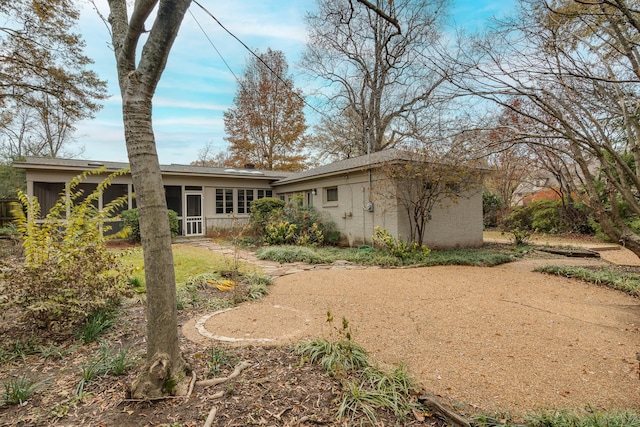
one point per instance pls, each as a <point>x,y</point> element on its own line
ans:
<point>193,217</point>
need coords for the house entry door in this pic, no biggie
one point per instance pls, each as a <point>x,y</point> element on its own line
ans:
<point>193,217</point>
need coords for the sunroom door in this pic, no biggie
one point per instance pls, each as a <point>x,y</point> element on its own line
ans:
<point>193,218</point>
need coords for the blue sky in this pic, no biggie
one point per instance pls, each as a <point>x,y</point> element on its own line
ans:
<point>197,87</point>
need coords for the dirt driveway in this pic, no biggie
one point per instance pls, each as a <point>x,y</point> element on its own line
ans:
<point>501,338</point>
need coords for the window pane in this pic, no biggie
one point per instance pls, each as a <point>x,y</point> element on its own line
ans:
<point>173,194</point>
<point>332,194</point>
<point>47,194</point>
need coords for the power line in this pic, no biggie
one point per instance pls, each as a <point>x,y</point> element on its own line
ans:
<point>252,53</point>
<point>214,47</point>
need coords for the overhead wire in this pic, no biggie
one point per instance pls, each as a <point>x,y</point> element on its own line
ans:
<point>214,47</point>
<point>287,85</point>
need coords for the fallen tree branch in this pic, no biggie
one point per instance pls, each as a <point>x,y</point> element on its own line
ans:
<point>212,415</point>
<point>432,402</point>
<point>239,368</point>
<point>191,384</point>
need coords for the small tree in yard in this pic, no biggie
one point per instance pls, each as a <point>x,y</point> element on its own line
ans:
<point>421,182</point>
<point>68,272</point>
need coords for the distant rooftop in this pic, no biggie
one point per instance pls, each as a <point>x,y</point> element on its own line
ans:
<point>83,165</point>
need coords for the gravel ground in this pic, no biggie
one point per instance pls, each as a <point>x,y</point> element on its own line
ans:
<point>490,339</point>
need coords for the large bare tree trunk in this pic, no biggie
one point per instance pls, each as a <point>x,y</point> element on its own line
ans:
<point>165,370</point>
<point>164,359</point>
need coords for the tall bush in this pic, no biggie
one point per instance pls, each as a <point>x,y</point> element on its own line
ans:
<point>68,272</point>
<point>291,223</point>
<point>262,210</point>
<point>131,223</point>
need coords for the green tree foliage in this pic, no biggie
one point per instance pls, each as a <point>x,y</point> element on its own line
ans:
<point>45,83</point>
<point>550,216</point>
<point>491,204</point>
<point>267,125</point>
<point>11,180</point>
<point>68,272</point>
<point>131,222</point>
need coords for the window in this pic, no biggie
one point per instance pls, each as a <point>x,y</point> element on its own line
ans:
<point>47,193</point>
<point>173,194</point>
<point>224,200</point>
<point>264,193</point>
<point>331,194</point>
<point>245,197</point>
<point>114,191</point>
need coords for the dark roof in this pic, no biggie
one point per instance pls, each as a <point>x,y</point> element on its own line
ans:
<point>348,165</point>
<point>48,163</point>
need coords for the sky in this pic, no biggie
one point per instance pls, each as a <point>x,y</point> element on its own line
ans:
<point>197,87</point>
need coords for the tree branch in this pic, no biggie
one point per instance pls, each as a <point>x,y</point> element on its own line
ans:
<point>382,14</point>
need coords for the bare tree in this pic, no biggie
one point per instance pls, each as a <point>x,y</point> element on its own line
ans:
<point>576,63</point>
<point>138,79</point>
<point>207,156</point>
<point>378,59</point>
<point>43,69</point>
<point>423,179</point>
<point>267,125</point>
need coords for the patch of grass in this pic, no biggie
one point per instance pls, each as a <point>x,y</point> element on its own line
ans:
<point>17,391</point>
<point>258,286</point>
<point>96,323</point>
<point>375,389</point>
<point>107,360</point>
<point>365,388</point>
<point>50,351</point>
<point>563,418</point>
<point>339,355</point>
<point>219,358</point>
<point>336,357</point>
<point>18,350</point>
<point>486,256</point>
<point>117,360</point>
<point>625,282</point>
<point>188,261</point>
<point>284,254</point>
<point>483,257</point>
<point>593,418</point>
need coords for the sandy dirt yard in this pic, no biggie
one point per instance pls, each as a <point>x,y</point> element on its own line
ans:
<point>493,339</point>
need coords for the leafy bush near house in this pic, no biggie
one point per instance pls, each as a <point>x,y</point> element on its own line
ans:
<point>398,247</point>
<point>131,222</point>
<point>68,272</point>
<point>290,223</point>
<point>262,210</point>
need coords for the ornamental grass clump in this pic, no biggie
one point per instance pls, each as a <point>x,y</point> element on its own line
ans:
<point>68,272</point>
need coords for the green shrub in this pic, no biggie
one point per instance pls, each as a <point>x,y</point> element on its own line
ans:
<point>291,223</point>
<point>491,205</point>
<point>550,216</point>
<point>68,271</point>
<point>261,211</point>
<point>398,247</point>
<point>131,222</point>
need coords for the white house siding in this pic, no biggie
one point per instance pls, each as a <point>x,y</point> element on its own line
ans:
<point>454,225</point>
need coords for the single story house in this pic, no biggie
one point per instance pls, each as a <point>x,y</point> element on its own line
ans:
<point>208,198</point>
